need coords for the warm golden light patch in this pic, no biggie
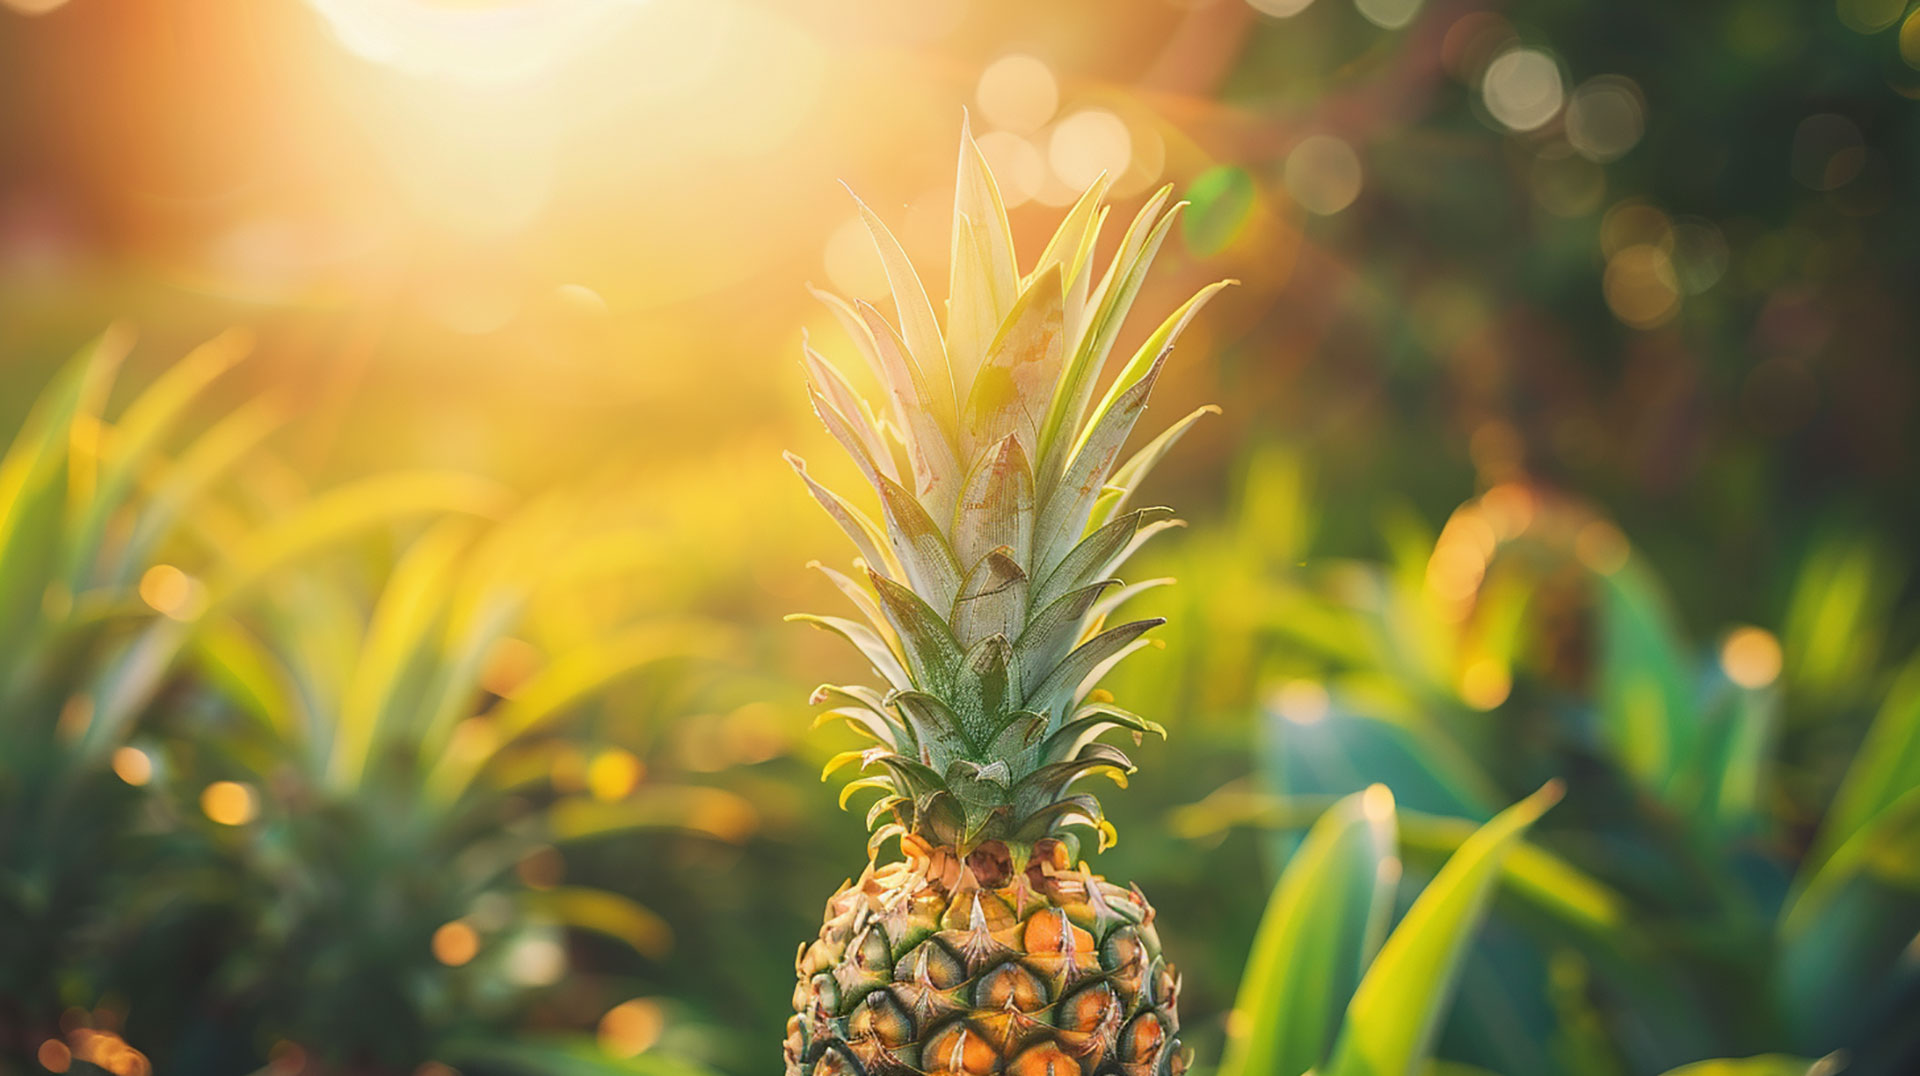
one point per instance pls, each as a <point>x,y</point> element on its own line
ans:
<point>1455,570</point>
<point>455,943</point>
<point>1641,287</point>
<point>1485,684</point>
<point>1751,657</point>
<point>613,773</point>
<point>167,589</point>
<point>1017,92</point>
<point>436,1068</point>
<point>1302,702</point>
<point>631,1027</point>
<point>1376,803</point>
<point>1088,143</point>
<point>511,662</point>
<point>1601,547</point>
<point>229,803</point>
<point>536,962</point>
<point>853,267</point>
<point>132,765</point>
<point>1017,163</point>
<point>54,1056</point>
<point>1634,223</point>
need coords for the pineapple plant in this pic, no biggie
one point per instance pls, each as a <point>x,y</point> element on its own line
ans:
<point>986,945</point>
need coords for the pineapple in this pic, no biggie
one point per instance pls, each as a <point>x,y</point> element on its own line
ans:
<point>986,946</point>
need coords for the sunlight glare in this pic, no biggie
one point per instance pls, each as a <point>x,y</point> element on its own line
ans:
<point>1018,93</point>
<point>1088,143</point>
<point>471,41</point>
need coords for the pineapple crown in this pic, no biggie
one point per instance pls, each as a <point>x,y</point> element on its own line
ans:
<point>1003,517</point>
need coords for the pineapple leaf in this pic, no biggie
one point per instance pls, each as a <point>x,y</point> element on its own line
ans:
<point>996,508</point>
<point>988,686</point>
<point>1085,664</point>
<point>863,722</point>
<point>567,681</point>
<point>409,610</point>
<point>1049,782</point>
<point>179,486</point>
<point>929,444</point>
<point>933,721</point>
<point>1105,606</point>
<point>712,812</point>
<point>831,383</point>
<point>31,490</point>
<point>1067,504</point>
<point>603,912</point>
<point>1322,925</point>
<point>1114,297</point>
<point>856,329</point>
<point>925,558</point>
<point>853,788</point>
<point>1071,249</point>
<point>1021,365</point>
<point>917,323</point>
<point>1396,1009</point>
<point>861,442</point>
<point>1126,480</point>
<point>1088,723</point>
<point>136,438</point>
<point>1887,764</point>
<point>933,655</point>
<point>984,277</point>
<point>1095,555</point>
<point>1081,808</point>
<point>992,600</point>
<point>865,640</point>
<point>864,602</point>
<point>1052,631</point>
<point>865,534</point>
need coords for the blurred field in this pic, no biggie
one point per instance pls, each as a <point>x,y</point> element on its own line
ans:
<point>397,682</point>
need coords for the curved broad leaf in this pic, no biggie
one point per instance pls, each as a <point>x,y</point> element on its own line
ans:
<point>603,912</point>
<point>561,1056</point>
<point>1322,925</point>
<point>1761,1065</point>
<point>1396,1011</point>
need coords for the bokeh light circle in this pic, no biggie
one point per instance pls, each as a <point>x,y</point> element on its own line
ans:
<point>1017,92</point>
<point>1523,89</point>
<point>1088,143</point>
<point>1323,174</point>
<point>1388,14</point>
<point>1828,151</point>
<point>1605,118</point>
<point>1641,288</point>
<point>1281,9</point>
<point>1017,164</point>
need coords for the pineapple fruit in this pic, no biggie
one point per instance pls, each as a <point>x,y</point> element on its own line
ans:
<point>986,946</point>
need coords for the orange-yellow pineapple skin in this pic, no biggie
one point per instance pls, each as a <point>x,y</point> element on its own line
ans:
<point>939,965</point>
